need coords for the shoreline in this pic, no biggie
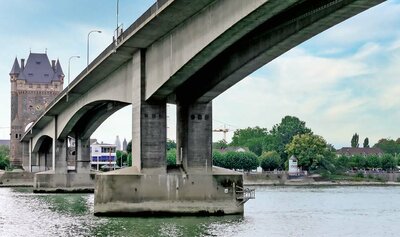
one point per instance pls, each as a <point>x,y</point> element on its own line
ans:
<point>322,184</point>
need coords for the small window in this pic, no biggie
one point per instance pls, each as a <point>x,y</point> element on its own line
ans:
<point>38,63</point>
<point>46,75</point>
<point>30,74</point>
<point>16,136</point>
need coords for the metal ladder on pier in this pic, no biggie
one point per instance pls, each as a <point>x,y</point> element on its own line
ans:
<point>244,194</point>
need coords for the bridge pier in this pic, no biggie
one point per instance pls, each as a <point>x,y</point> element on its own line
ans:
<point>193,187</point>
<point>62,180</point>
<point>194,137</point>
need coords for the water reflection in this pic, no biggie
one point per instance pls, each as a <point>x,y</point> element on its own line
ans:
<point>171,226</point>
<point>343,211</point>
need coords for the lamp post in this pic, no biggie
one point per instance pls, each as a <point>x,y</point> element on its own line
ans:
<point>69,71</point>
<point>87,53</point>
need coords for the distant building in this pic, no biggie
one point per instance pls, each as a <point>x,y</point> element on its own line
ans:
<point>34,85</point>
<point>363,151</point>
<point>234,148</point>
<point>118,143</point>
<point>5,143</point>
<point>293,167</point>
<point>124,144</point>
<point>103,154</point>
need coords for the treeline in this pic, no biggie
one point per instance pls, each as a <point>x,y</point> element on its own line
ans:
<point>385,162</point>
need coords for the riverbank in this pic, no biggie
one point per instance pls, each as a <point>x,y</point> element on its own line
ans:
<point>282,179</point>
<point>321,183</point>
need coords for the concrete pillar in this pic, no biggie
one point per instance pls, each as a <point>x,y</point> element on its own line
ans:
<point>194,137</point>
<point>61,156</point>
<point>82,155</point>
<point>149,124</point>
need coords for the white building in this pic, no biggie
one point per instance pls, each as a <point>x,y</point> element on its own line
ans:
<point>103,154</point>
<point>293,167</point>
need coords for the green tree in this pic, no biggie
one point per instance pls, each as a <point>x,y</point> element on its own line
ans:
<point>4,157</point>
<point>122,156</point>
<point>388,162</point>
<point>310,150</point>
<point>270,160</point>
<point>171,156</point>
<point>342,163</point>
<point>373,161</point>
<point>240,160</point>
<point>218,159</point>
<point>171,144</point>
<point>221,144</point>
<point>129,147</point>
<point>366,142</point>
<point>284,132</point>
<point>388,146</point>
<point>358,162</point>
<point>129,159</point>
<point>354,140</point>
<point>253,138</point>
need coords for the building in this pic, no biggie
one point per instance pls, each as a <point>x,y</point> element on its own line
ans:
<point>124,144</point>
<point>363,151</point>
<point>103,155</point>
<point>118,143</point>
<point>34,85</point>
<point>5,143</point>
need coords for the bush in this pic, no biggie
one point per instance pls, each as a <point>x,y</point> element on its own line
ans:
<point>4,157</point>
<point>388,162</point>
<point>218,159</point>
<point>171,156</point>
<point>270,160</point>
<point>359,175</point>
<point>236,160</point>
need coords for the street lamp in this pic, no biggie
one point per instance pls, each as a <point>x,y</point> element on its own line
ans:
<point>69,71</point>
<point>87,53</point>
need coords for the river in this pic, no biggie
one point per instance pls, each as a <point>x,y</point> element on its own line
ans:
<point>276,211</point>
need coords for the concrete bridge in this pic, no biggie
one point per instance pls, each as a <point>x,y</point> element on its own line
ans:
<point>183,52</point>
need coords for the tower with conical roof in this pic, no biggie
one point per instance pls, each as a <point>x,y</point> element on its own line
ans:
<point>33,86</point>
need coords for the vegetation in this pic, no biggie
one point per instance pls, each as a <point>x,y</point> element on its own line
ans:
<point>386,162</point>
<point>389,146</point>
<point>270,160</point>
<point>171,156</point>
<point>310,150</point>
<point>236,160</point>
<point>366,143</point>
<point>122,158</point>
<point>354,140</point>
<point>4,157</point>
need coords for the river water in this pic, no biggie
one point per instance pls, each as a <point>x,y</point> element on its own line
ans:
<point>276,211</point>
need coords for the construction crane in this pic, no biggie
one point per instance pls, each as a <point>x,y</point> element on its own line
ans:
<point>224,130</point>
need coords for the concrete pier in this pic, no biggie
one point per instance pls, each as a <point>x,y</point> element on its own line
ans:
<point>131,193</point>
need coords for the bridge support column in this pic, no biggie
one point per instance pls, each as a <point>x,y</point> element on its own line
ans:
<point>83,156</point>
<point>60,180</point>
<point>194,137</point>
<point>149,137</point>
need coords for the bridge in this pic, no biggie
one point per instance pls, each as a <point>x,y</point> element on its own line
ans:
<point>182,52</point>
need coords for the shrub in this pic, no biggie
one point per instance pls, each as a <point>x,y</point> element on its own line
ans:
<point>270,160</point>
<point>171,157</point>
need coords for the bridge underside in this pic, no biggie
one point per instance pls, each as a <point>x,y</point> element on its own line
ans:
<point>216,44</point>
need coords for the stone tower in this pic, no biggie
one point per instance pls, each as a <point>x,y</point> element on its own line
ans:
<point>34,85</point>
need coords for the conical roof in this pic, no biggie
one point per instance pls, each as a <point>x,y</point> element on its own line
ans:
<point>58,73</point>
<point>16,69</point>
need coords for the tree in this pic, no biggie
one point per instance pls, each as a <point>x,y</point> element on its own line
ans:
<point>171,144</point>
<point>358,162</point>
<point>354,140</point>
<point>310,150</point>
<point>253,138</point>
<point>373,161</point>
<point>270,160</point>
<point>129,147</point>
<point>122,157</point>
<point>284,132</point>
<point>388,146</point>
<point>221,144</point>
<point>388,162</point>
<point>4,157</point>
<point>171,156</point>
<point>240,160</point>
<point>218,159</point>
<point>366,142</point>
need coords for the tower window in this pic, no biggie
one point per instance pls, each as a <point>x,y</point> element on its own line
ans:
<point>46,75</point>
<point>38,63</point>
<point>30,74</point>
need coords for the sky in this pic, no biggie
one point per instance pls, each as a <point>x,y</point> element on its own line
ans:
<point>340,82</point>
